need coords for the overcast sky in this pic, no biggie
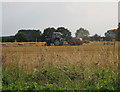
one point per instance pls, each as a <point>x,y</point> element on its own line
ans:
<point>95,17</point>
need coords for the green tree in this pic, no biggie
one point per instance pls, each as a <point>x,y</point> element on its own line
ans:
<point>48,33</point>
<point>32,35</point>
<point>109,35</point>
<point>95,37</point>
<point>21,37</point>
<point>118,33</point>
<point>66,33</point>
<point>82,33</point>
<point>37,35</point>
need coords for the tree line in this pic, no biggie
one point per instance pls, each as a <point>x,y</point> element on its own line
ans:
<point>30,35</point>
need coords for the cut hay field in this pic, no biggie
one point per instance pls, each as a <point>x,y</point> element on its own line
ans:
<point>31,57</point>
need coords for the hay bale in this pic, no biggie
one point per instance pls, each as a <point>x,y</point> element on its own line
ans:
<point>20,43</point>
<point>32,43</point>
<point>65,43</point>
<point>42,43</point>
<point>4,44</point>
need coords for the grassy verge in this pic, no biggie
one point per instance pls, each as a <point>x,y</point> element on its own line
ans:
<point>60,78</point>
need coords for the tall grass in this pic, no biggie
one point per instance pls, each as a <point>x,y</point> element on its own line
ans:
<point>86,67</point>
<point>57,78</point>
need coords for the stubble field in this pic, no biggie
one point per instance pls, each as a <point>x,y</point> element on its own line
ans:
<point>33,66</point>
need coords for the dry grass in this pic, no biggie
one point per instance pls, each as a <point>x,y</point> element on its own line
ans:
<point>35,55</point>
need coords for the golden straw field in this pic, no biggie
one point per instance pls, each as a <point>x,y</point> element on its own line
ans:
<point>34,55</point>
<point>33,66</point>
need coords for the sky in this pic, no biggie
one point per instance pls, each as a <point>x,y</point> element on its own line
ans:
<point>119,11</point>
<point>96,17</point>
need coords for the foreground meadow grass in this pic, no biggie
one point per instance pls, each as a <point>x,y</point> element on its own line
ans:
<point>30,66</point>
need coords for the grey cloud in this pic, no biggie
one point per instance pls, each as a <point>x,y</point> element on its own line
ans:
<point>96,17</point>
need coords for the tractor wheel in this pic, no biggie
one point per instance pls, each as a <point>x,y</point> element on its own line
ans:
<point>61,43</point>
<point>47,44</point>
<point>57,43</point>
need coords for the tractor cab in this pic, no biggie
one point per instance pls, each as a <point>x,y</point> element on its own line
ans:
<point>56,39</point>
<point>56,35</point>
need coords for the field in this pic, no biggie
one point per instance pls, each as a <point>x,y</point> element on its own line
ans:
<point>33,66</point>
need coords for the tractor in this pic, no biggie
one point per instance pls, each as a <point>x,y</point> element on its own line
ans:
<point>56,39</point>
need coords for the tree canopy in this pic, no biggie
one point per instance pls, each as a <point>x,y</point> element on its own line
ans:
<point>109,35</point>
<point>82,33</point>
<point>48,33</point>
<point>37,35</point>
<point>95,37</point>
<point>118,32</point>
<point>21,37</point>
<point>66,33</point>
<point>32,35</point>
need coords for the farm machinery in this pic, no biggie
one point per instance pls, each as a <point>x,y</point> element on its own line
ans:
<point>76,41</point>
<point>57,40</point>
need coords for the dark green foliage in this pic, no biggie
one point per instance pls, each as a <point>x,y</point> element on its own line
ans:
<point>56,78</point>
<point>48,33</point>
<point>24,35</point>
<point>6,78</point>
<point>28,35</point>
<point>108,38</point>
<point>21,37</point>
<point>7,38</point>
<point>66,33</point>
<point>95,37</point>
<point>111,34</point>
<point>82,33</point>
<point>37,36</point>
<point>118,35</point>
